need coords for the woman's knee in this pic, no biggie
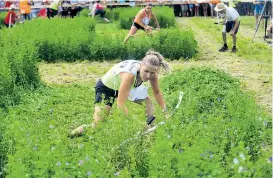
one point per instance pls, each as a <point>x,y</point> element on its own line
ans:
<point>148,100</point>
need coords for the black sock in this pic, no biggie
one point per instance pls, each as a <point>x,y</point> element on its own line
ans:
<point>225,45</point>
<point>234,47</point>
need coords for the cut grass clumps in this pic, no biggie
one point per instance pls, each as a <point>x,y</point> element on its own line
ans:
<point>218,130</point>
<point>164,16</point>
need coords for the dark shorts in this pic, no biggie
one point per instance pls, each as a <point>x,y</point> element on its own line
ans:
<point>100,12</point>
<point>138,26</point>
<point>230,25</point>
<point>104,93</point>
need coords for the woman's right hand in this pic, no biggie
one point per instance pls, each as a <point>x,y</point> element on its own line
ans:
<point>147,27</point>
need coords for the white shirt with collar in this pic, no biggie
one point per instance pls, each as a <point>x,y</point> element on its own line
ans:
<point>232,14</point>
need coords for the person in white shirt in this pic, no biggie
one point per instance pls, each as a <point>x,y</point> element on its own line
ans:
<point>231,24</point>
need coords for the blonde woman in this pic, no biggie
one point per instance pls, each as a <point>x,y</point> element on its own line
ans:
<point>142,20</point>
<point>124,81</point>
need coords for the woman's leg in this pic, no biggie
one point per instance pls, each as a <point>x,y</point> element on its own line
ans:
<point>132,31</point>
<point>98,115</point>
<point>149,107</point>
<point>102,14</point>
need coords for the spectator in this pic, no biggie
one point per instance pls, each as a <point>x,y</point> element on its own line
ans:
<point>184,8</point>
<point>142,21</point>
<point>190,8</point>
<point>98,9</point>
<point>204,6</point>
<point>232,3</point>
<point>25,10</point>
<point>35,10</point>
<point>11,16</point>
<point>231,23</point>
<point>74,8</point>
<point>213,4</point>
<point>2,4</point>
<point>53,9</point>
<point>66,10</point>
<point>258,7</point>
<point>8,4</point>
<point>196,9</point>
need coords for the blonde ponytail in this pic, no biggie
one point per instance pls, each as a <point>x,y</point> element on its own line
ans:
<point>154,58</point>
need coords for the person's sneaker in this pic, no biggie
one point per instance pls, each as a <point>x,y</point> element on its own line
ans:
<point>223,49</point>
<point>79,130</point>
<point>233,50</point>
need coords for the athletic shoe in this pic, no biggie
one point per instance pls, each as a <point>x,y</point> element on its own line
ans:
<point>79,130</point>
<point>223,49</point>
<point>233,50</point>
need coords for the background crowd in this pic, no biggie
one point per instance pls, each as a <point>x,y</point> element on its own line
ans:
<point>32,8</point>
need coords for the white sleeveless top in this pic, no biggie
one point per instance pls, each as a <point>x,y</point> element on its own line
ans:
<point>146,19</point>
<point>112,80</point>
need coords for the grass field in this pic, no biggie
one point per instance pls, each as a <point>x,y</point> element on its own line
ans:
<point>40,123</point>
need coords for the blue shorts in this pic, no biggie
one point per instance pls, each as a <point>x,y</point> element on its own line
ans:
<point>258,8</point>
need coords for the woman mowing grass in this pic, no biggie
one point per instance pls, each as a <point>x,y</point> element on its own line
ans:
<point>124,81</point>
<point>142,20</point>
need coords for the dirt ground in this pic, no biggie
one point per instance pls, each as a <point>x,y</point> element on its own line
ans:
<point>255,76</point>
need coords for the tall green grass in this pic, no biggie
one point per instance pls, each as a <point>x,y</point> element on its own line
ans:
<point>217,131</point>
